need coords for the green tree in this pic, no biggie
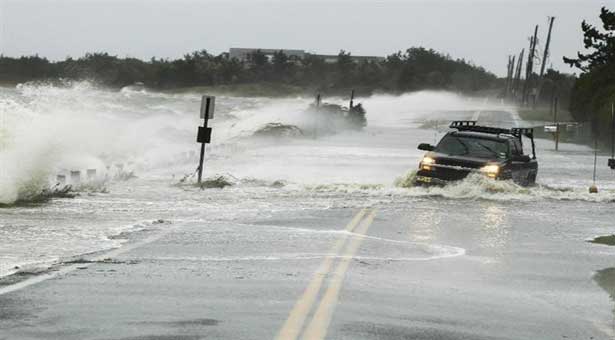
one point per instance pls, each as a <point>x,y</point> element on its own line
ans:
<point>315,72</point>
<point>594,91</point>
<point>415,69</point>
<point>601,44</point>
<point>257,58</point>
<point>281,65</point>
<point>345,67</point>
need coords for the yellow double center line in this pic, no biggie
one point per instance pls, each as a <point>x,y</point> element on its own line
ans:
<point>317,328</point>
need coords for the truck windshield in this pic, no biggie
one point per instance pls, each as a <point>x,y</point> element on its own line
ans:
<point>472,147</point>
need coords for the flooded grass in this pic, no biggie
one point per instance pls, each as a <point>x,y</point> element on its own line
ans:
<point>607,240</point>
<point>279,130</point>
<point>68,191</point>
<point>43,196</point>
<point>605,278</point>
<point>226,180</point>
<point>218,182</point>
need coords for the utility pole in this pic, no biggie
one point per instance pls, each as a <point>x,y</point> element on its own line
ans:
<point>593,189</point>
<point>545,56</point>
<point>508,77</point>
<point>530,66</point>
<point>507,85</point>
<point>518,73</point>
<point>551,110</point>
<point>556,123</point>
<point>611,162</point>
<point>512,75</point>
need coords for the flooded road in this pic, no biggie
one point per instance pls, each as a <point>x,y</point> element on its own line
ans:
<point>316,237</point>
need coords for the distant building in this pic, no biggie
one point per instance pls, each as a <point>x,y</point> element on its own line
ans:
<point>243,53</point>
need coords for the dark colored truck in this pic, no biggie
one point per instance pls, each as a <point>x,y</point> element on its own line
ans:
<point>494,152</point>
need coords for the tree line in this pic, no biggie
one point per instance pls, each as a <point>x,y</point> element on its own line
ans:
<point>593,93</point>
<point>415,69</point>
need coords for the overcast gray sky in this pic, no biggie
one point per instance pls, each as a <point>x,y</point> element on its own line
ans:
<point>483,31</point>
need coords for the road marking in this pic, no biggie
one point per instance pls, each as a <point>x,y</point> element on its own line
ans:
<point>478,112</point>
<point>317,329</point>
<point>475,116</point>
<point>69,268</point>
<point>291,328</point>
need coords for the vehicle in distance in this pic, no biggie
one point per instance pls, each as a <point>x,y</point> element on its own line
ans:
<point>494,152</point>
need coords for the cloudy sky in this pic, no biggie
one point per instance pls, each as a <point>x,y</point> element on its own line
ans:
<point>483,31</point>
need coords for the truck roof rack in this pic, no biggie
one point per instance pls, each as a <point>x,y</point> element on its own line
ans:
<point>470,125</point>
<point>527,132</point>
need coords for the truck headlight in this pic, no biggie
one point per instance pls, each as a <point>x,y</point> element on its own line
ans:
<point>491,170</point>
<point>427,162</point>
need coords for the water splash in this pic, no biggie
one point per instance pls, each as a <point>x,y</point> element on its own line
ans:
<point>477,186</point>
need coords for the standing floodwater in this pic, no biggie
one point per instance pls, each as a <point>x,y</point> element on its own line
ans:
<point>286,199</point>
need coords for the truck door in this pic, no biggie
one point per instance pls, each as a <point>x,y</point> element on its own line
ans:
<point>520,170</point>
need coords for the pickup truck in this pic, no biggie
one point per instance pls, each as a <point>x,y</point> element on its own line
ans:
<point>469,148</point>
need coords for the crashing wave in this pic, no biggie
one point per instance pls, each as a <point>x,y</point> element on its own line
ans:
<point>333,118</point>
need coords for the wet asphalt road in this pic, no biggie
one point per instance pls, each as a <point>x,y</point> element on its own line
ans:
<point>520,277</point>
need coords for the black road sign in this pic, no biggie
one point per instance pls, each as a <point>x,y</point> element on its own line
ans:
<point>204,135</point>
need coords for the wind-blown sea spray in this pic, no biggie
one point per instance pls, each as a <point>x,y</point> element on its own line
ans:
<point>47,129</point>
<point>413,108</point>
<point>23,157</point>
<point>52,128</point>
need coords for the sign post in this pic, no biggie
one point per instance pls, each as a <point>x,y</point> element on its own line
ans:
<point>612,159</point>
<point>556,123</point>
<point>204,132</point>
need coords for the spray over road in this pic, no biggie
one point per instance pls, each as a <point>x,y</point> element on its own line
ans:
<point>312,238</point>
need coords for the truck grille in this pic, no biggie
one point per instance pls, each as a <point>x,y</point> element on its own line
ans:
<point>455,162</point>
<point>449,174</point>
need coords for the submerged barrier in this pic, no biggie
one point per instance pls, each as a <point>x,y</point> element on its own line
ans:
<point>90,176</point>
<point>75,176</point>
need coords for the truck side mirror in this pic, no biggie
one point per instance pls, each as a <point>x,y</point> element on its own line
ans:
<point>521,158</point>
<point>426,147</point>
